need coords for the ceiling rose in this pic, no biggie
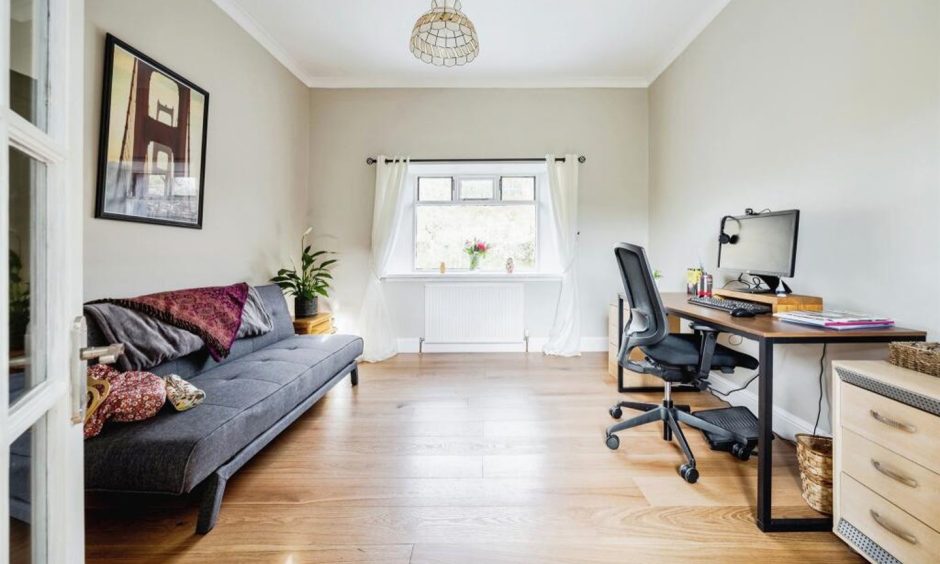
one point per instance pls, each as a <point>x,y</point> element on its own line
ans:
<point>445,36</point>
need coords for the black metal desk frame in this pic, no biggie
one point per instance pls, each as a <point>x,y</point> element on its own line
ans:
<point>765,399</point>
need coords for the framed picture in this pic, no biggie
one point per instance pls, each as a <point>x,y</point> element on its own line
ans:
<point>152,149</point>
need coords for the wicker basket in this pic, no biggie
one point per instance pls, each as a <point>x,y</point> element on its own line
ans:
<point>922,357</point>
<point>814,454</point>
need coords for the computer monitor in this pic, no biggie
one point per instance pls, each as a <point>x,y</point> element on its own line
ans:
<point>761,244</point>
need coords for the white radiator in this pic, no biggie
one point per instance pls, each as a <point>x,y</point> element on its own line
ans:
<point>474,313</point>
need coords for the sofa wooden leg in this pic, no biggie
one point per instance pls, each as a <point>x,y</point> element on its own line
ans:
<point>354,376</point>
<point>211,503</point>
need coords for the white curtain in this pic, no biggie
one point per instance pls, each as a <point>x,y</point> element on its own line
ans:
<point>375,324</point>
<point>564,339</point>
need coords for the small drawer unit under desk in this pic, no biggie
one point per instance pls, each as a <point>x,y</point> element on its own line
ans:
<point>886,461</point>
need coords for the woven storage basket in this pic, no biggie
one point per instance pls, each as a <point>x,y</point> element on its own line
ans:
<point>922,357</point>
<point>814,454</point>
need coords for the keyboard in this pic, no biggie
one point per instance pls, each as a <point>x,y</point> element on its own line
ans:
<point>730,305</point>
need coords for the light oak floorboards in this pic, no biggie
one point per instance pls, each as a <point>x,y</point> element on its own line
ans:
<point>471,458</point>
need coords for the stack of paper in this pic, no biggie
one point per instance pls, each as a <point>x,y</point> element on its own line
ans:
<point>839,320</point>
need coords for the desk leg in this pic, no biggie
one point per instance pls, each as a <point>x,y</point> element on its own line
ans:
<point>765,460</point>
<point>765,436</point>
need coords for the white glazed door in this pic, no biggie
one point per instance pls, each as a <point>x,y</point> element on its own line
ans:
<point>42,391</point>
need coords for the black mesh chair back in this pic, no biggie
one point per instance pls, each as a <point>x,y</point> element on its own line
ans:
<point>647,322</point>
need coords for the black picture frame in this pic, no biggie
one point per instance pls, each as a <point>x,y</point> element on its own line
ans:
<point>104,139</point>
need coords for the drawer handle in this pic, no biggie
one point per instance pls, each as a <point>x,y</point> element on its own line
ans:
<point>892,529</point>
<point>910,482</point>
<point>891,422</point>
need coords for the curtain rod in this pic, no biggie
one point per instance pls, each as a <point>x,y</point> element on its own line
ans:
<point>581,159</point>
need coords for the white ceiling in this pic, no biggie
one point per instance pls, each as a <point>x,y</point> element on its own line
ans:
<point>523,43</point>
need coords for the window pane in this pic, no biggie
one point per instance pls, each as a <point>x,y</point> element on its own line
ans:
<point>476,189</point>
<point>442,232</point>
<point>27,184</point>
<point>435,189</point>
<point>517,188</point>
<point>29,24</point>
<point>27,495</point>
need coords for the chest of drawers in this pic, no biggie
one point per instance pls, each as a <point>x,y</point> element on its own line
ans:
<point>886,461</point>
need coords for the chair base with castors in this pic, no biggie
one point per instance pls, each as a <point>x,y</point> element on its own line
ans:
<point>677,359</point>
<point>671,416</point>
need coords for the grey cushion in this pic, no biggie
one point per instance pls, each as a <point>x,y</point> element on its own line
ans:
<point>174,452</point>
<point>190,365</point>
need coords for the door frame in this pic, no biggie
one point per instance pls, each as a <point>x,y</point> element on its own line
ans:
<point>57,400</point>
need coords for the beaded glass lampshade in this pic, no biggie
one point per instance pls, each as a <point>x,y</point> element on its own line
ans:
<point>444,35</point>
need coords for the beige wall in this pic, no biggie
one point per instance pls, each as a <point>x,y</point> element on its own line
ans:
<point>609,126</point>
<point>256,168</point>
<point>830,107</point>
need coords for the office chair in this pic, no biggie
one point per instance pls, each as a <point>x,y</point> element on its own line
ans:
<point>676,358</point>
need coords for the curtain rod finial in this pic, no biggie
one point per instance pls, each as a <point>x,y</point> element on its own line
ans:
<point>370,161</point>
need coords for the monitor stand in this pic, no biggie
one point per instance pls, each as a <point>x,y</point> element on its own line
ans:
<point>775,285</point>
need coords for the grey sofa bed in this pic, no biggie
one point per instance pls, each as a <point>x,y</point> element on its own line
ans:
<point>265,384</point>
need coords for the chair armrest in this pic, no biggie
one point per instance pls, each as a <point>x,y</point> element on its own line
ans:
<point>709,342</point>
<point>702,328</point>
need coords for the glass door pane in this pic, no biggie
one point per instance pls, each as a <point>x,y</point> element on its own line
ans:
<point>29,59</point>
<point>26,256</point>
<point>27,495</point>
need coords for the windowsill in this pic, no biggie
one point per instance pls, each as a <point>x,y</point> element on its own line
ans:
<point>472,277</point>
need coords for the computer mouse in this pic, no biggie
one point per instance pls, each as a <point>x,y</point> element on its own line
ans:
<point>741,312</point>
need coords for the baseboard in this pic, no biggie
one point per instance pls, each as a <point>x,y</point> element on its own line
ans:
<point>411,345</point>
<point>785,423</point>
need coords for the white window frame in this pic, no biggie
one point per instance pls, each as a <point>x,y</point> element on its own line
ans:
<point>456,200</point>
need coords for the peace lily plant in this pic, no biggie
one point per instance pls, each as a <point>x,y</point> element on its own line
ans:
<point>310,281</point>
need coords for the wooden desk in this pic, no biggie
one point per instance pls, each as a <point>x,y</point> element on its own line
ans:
<point>768,331</point>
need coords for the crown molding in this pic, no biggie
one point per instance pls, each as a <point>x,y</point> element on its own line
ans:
<point>241,17</point>
<point>234,10</point>
<point>450,82</point>
<point>682,43</point>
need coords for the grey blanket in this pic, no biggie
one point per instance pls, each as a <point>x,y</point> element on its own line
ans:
<point>149,342</point>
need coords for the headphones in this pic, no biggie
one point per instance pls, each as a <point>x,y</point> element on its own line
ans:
<point>724,238</point>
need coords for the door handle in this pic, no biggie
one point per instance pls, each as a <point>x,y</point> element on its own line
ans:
<point>78,387</point>
<point>892,422</point>
<point>78,382</point>
<point>104,355</point>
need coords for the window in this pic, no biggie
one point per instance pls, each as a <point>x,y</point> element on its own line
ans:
<point>499,210</point>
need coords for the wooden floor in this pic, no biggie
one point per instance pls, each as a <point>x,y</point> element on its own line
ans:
<point>470,458</point>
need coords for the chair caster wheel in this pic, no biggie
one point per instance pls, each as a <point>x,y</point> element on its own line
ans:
<point>613,442</point>
<point>615,412</point>
<point>741,452</point>
<point>688,473</point>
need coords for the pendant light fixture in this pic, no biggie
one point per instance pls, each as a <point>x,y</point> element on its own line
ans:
<point>444,36</point>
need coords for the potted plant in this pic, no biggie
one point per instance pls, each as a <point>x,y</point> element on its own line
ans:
<point>308,283</point>
<point>476,250</point>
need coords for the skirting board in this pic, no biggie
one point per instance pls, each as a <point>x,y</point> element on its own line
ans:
<point>411,344</point>
<point>785,423</point>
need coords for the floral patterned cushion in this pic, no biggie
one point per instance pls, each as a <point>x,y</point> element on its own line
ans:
<point>133,396</point>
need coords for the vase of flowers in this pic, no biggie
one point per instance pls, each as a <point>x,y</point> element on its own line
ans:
<point>476,250</point>
<point>309,281</point>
